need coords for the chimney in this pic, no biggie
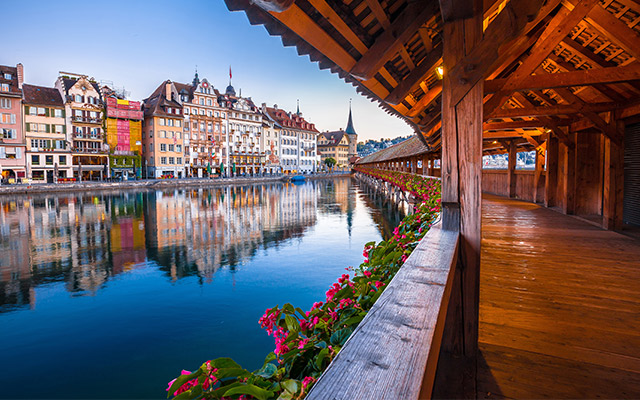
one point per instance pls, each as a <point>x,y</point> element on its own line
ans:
<point>167,87</point>
<point>20,69</point>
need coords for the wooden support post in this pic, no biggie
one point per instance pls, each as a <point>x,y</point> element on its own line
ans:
<point>461,172</point>
<point>569,175</point>
<point>414,165</point>
<point>511,178</point>
<point>538,184</point>
<point>613,185</point>
<point>551,181</point>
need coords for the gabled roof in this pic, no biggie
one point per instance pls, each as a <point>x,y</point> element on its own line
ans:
<point>334,137</point>
<point>288,120</point>
<point>68,83</point>
<point>13,82</point>
<point>157,103</point>
<point>41,96</point>
<point>408,148</point>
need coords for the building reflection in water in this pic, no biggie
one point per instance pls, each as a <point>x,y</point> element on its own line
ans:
<point>84,240</point>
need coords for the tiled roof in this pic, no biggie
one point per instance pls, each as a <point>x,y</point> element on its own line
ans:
<point>13,82</point>
<point>287,120</point>
<point>69,82</point>
<point>157,103</point>
<point>42,96</point>
<point>333,137</point>
<point>409,148</point>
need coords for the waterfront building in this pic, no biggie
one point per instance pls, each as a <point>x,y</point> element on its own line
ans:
<point>353,138</point>
<point>83,114</point>
<point>12,144</point>
<point>244,132</point>
<point>270,143</point>
<point>49,156</point>
<point>162,135</point>
<point>336,145</point>
<point>297,140</point>
<point>123,128</point>
<point>203,127</point>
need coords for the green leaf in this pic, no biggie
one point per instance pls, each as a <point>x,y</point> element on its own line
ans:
<point>339,337</point>
<point>270,357</point>
<point>224,362</point>
<point>253,390</point>
<point>181,380</point>
<point>288,309</point>
<point>267,371</point>
<point>321,357</point>
<point>224,373</point>
<point>292,324</point>
<point>290,385</point>
<point>321,345</point>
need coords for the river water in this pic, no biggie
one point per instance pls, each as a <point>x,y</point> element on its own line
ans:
<point>110,295</point>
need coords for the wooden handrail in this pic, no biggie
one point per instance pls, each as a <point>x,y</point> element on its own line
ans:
<point>394,351</point>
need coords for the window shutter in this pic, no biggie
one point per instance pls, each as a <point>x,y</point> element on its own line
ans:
<point>2,152</point>
<point>48,128</point>
<point>26,110</point>
<point>28,127</point>
<point>18,153</point>
<point>13,118</point>
<point>64,129</point>
<point>46,112</point>
<point>63,113</point>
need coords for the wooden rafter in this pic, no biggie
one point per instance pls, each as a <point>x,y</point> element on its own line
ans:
<point>394,37</point>
<point>415,77</point>
<point>560,109</point>
<point>557,29</point>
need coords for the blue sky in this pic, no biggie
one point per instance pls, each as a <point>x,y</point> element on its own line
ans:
<point>138,44</point>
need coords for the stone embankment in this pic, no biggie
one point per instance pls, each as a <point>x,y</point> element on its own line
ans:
<point>148,184</point>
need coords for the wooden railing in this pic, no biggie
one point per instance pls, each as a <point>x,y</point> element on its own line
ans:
<point>393,353</point>
<point>496,181</point>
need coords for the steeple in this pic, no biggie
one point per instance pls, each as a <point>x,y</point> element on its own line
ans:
<point>350,129</point>
<point>298,109</point>
<point>196,80</point>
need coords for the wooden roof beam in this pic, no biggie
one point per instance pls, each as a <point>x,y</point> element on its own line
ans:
<point>496,126</point>
<point>615,30</point>
<point>426,100</point>
<point>393,38</point>
<point>425,69</point>
<point>560,109</point>
<point>557,29</point>
<point>583,77</point>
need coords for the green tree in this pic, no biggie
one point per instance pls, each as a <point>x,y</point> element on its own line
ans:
<point>330,162</point>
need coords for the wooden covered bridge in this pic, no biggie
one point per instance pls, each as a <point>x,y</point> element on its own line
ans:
<point>506,298</point>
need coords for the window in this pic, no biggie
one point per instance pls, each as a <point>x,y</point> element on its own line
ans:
<point>201,101</point>
<point>179,123</point>
<point>7,75</point>
<point>163,147</point>
<point>8,118</point>
<point>179,160</point>
<point>62,160</point>
<point>58,113</point>
<point>8,133</point>
<point>4,87</point>
<point>161,121</point>
<point>209,113</point>
<point>179,148</point>
<point>186,111</point>
<point>163,160</point>
<point>171,147</point>
<point>202,111</point>
<point>170,160</point>
<point>35,160</point>
<point>48,160</point>
<point>5,103</point>
<point>169,122</point>
<point>78,98</point>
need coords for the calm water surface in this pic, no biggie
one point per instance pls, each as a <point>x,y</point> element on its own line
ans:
<point>111,295</point>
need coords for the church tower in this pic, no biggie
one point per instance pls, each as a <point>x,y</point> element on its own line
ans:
<point>352,135</point>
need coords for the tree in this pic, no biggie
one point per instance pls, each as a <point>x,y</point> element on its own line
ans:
<point>330,162</point>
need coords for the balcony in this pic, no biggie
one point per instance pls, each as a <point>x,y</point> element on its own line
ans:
<point>83,136</point>
<point>87,120</point>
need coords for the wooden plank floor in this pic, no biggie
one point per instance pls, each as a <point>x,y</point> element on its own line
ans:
<point>559,306</point>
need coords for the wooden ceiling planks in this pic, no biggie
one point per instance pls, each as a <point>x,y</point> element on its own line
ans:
<point>390,49</point>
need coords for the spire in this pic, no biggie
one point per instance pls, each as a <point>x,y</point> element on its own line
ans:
<point>350,129</point>
<point>298,109</point>
<point>196,80</point>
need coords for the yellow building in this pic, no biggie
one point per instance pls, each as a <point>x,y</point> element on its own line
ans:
<point>336,145</point>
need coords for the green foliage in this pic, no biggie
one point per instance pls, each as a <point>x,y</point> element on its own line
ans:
<point>330,162</point>
<point>306,342</point>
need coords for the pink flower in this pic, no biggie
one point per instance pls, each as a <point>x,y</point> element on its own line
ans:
<point>187,385</point>
<point>307,381</point>
<point>366,273</point>
<point>379,284</point>
<point>302,343</point>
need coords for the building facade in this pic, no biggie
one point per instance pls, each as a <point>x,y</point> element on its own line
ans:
<point>12,141</point>
<point>49,156</point>
<point>123,129</point>
<point>297,140</point>
<point>244,132</point>
<point>162,134</point>
<point>270,143</point>
<point>203,127</point>
<point>83,114</point>
<point>335,145</point>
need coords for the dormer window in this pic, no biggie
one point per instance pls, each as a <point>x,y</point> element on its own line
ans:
<point>7,76</point>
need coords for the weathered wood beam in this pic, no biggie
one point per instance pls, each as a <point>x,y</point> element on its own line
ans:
<point>538,186</point>
<point>501,135</point>
<point>393,38</point>
<point>557,29</point>
<point>511,177</point>
<point>425,69</point>
<point>560,109</point>
<point>432,95</point>
<point>615,30</point>
<point>453,10</point>
<point>495,126</point>
<point>566,79</point>
<point>551,181</point>
<point>569,175</point>
<point>498,37</point>
<point>613,185</point>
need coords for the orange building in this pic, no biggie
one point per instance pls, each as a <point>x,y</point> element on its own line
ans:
<point>162,136</point>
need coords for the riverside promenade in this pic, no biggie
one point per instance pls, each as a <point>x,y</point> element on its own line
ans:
<point>150,184</point>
